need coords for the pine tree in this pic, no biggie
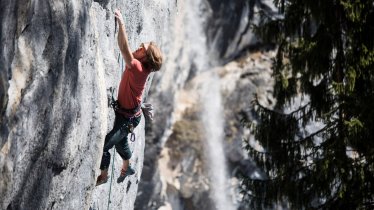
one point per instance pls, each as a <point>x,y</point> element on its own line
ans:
<point>325,56</point>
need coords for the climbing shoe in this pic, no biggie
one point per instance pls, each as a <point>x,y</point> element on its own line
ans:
<point>124,174</point>
<point>101,180</point>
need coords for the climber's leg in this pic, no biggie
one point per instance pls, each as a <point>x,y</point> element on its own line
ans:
<point>110,141</point>
<point>124,151</point>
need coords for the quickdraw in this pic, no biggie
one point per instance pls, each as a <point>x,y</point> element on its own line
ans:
<point>130,129</point>
<point>132,137</point>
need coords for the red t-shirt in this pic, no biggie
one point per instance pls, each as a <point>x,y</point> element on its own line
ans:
<point>132,85</point>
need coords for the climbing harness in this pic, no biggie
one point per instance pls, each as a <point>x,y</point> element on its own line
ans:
<point>129,126</point>
<point>128,113</point>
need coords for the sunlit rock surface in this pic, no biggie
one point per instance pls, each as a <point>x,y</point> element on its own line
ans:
<point>58,60</point>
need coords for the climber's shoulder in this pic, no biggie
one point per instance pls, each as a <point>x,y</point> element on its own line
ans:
<point>135,65</point>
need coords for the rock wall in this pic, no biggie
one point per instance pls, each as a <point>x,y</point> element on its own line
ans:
<point>186,57</point>
<point>229,27</point>
<point>58,59</point>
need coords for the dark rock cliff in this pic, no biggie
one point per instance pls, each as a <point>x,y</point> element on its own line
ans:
<point>229,27</point>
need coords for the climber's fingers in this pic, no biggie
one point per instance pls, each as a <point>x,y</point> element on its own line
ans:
<point>118,15</point>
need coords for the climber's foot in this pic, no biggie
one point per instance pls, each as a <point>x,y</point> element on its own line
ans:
<point>125,173</point>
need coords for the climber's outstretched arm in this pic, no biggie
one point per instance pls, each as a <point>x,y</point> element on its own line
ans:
<point>123,42</point>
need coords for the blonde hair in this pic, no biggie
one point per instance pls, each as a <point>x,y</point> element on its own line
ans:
<point>154,57</point>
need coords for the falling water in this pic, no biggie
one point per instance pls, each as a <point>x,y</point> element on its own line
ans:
<point>212,118</point>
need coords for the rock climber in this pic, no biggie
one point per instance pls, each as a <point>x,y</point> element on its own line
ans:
<point>139,64</point>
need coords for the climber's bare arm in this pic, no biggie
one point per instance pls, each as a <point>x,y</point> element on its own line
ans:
<point>123,42</point>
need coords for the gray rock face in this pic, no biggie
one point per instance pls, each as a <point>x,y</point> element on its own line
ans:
<point>230,23</point>
<point>186,56</point>
<point>58,59</point>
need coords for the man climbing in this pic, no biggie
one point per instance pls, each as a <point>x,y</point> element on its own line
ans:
<point>139,64</point>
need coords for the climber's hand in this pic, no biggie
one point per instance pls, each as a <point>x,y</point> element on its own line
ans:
<point>118,16</point>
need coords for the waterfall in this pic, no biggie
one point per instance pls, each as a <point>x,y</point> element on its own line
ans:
<point>212,118</point>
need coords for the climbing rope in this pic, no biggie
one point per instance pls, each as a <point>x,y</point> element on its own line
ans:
<point>114,153</point>
<point>111,177</point>
<point>132,138</point>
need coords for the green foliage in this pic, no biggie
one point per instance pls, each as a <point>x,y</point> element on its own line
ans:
<point>325,53</point>
<point>354,126</point>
